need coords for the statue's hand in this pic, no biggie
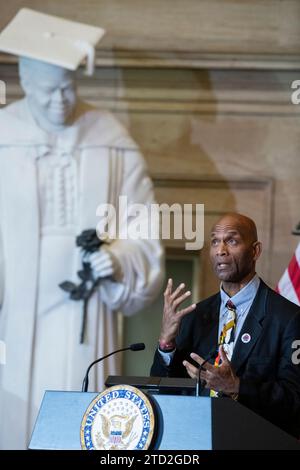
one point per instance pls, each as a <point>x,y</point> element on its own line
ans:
<point>105,264</point>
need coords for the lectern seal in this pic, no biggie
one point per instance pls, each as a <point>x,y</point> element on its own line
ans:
<point>120,418</point>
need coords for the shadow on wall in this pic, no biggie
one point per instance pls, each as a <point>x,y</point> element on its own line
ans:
<point>173,145</point>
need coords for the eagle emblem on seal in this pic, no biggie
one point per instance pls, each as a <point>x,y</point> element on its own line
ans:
<point>117,432</point>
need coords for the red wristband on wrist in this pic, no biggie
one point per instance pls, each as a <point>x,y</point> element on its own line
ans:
<point>166,346</point>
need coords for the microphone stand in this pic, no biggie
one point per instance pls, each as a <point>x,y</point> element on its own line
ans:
<point>199,385</point>
<point>132,347</point>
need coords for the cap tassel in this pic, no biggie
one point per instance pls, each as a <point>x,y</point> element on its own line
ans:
<point>90,56</point>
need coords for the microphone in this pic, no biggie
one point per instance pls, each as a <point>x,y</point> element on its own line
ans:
<point>132,347</point>
<point>136,347</point>
<point>212,355</point>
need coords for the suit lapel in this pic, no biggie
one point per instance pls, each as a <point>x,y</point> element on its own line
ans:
<point>251,326</point>
<point>210,327</point>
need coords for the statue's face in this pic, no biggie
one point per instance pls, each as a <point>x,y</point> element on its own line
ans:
<point>54,98</point>
<point>51,93</point>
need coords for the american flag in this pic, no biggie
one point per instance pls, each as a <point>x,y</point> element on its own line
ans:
<point>289,284</point>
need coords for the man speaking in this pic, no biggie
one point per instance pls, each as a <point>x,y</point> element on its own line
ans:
<point>246,333</point>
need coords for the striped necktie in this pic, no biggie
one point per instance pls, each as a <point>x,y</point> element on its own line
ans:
<point>226,337</point>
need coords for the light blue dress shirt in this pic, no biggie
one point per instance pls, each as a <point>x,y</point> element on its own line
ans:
<point>242,301</point>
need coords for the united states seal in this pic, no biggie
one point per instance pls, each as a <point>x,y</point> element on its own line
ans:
<point>120,418</point>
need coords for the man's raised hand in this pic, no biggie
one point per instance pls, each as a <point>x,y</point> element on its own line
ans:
<point>172,316</point>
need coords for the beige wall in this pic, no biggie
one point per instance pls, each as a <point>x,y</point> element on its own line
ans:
<point>204,88</point>
<point>199,26</point>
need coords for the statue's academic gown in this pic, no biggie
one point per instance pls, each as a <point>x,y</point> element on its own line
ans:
<point>38,322</point>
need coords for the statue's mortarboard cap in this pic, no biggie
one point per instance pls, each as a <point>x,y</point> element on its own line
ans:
<point>51,39</point>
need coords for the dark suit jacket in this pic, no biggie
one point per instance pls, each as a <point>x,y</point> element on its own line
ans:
<point>269,380</point>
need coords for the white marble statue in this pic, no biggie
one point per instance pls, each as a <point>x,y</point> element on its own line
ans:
<point>59,159</point>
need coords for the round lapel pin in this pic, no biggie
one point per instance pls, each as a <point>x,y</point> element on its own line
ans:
<point>246,338</point>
